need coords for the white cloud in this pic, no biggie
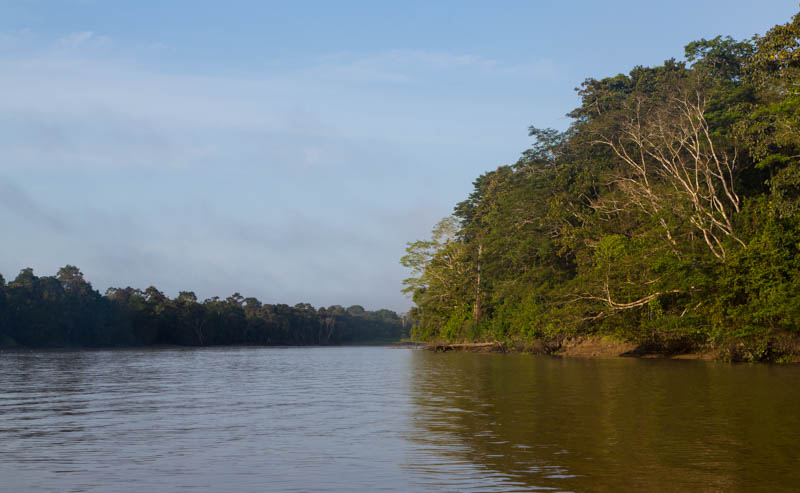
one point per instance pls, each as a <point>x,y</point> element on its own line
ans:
<point>83,39</point>
<point>289,185</point>
<point>96,111</point>
<point>407,66</point>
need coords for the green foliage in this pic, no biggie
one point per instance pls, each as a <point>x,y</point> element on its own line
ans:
<point>456,325</point>
<point>666,214</point>
<point>785,190</point>
<point>65,311</point>
<point>759,289</point>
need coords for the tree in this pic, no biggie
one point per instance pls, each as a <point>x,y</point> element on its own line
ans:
<point>63,310</point>
<point>668,211</point>
<point>420,253</point>
<point>71,278</point>
<point>25,279</point>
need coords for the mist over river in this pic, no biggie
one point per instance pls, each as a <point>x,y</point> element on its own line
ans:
<point>382,419</point>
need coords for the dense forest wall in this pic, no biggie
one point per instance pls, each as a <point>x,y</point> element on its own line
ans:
<point>667,213</point>
<point>65,311</point>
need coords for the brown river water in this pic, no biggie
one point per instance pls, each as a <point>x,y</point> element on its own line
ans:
<point>354,419</point>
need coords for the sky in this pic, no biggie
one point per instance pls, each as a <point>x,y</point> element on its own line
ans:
<point>289,150</point>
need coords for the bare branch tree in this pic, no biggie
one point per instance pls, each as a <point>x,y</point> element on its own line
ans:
<point>670,153</point>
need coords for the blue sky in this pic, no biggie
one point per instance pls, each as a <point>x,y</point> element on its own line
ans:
<point>289,150</point>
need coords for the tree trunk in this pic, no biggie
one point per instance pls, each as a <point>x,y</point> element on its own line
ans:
<point>476,314</point>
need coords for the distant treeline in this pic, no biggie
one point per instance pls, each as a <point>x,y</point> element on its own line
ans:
<point>668,213</point>
<point>65,311</point>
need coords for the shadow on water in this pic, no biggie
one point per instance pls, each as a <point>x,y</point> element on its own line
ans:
<point>606,425</point>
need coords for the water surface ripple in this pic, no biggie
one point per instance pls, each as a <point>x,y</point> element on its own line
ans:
<point>382,419</point>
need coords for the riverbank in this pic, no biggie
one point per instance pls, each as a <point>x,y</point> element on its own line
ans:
<point>783,348</point>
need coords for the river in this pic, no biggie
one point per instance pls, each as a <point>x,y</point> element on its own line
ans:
<point>380,419</point>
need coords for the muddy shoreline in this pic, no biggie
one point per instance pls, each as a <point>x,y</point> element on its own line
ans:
<point>772,351</point>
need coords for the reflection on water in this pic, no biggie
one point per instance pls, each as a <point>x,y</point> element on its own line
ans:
<point>368,419</point>
<point>611,425</point>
